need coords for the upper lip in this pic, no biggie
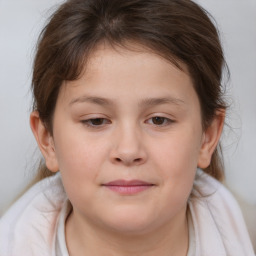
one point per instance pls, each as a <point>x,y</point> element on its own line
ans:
<point>127,183</point>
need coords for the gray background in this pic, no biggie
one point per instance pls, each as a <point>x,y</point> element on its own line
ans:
<point>20,23</point>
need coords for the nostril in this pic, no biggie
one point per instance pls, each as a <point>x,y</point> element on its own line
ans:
<point>137,160</point>
<point>130,161</point>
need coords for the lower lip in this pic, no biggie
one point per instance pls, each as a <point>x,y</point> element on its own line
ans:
<point>128,190</point>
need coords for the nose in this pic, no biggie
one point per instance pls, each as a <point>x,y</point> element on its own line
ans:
<point>129,148</point>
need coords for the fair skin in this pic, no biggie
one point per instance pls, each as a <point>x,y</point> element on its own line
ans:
<point>130,116</point>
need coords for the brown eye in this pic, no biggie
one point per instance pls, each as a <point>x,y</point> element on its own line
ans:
<point>97,121</point>
<point>158,120</point>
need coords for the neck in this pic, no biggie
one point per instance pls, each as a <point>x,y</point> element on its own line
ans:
<point>169,239</point>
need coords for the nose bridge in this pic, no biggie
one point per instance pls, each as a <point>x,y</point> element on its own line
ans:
<point>129,148</point>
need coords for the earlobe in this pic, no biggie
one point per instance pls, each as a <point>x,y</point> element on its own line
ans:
<point>210,139</point>
<point>45,141</point>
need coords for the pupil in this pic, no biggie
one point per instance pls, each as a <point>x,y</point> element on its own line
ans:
<point>158,120</point>
<point>97,121</point>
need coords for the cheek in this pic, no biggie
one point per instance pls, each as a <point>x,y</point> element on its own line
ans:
<point>179,152</point>
<point>80,170</point>
<point>80,160</point>
<point>76,150</point>
<point>175,159</point>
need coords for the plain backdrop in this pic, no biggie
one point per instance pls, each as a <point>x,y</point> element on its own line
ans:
<point>20,24</point>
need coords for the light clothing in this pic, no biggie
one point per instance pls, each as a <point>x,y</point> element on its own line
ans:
<point>192,247</point>
<point>60,242</point>
<point>35,224</point>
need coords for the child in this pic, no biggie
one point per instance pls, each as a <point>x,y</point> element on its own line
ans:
<point>128,112</point>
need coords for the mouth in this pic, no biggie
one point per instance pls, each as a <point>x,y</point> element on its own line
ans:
<point>128,187</point>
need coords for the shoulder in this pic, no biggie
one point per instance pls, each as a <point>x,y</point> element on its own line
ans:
<point>210,190</point>
<point>217,215</point>
<point>30,223</point>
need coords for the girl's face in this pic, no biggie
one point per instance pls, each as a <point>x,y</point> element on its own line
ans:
<point>127,139</point>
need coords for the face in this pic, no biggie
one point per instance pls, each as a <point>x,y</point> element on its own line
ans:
<point>127,137</point>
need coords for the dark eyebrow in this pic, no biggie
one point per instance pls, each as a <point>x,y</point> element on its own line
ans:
<point>160,101</point>
<point>148,102</point>
<point>91,99</point>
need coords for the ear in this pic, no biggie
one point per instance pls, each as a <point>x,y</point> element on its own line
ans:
<point>211,137</point>
<point>45,141</point>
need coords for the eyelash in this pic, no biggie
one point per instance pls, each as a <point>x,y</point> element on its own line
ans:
<point>89,122</point>
<point>103,121</point>
<point>166,121</point>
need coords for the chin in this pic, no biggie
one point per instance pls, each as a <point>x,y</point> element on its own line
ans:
<point>130,222</point>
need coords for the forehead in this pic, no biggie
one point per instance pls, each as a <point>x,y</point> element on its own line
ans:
<point>105,54</point>
<point>118,72</point>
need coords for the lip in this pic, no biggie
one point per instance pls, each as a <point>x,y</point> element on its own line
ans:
<point>128,187</point>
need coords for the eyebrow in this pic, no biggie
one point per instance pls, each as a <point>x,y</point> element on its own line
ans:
<point>148,102</point>
<point>92,99</point>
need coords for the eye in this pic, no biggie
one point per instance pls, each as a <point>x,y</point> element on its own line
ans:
<point>96,122</point>
<point>159,121</point>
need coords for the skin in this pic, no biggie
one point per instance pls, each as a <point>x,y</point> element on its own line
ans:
<point>131,116</point>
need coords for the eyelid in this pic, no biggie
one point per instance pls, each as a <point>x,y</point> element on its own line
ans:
<point>168,120</point>
<point>88,121</point>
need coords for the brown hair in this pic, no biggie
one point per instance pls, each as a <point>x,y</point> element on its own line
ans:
<point>178,30</point>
